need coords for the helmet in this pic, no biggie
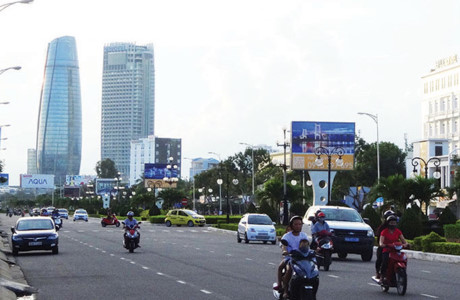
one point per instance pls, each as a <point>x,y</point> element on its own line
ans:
<point>293,219</point>
<point>388,213</point>
<point>130,214</point>
<point>321,215</point>
<point>392,218</point>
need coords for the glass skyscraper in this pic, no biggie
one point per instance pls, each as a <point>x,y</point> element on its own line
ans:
<point>59,120</point>
<point>128,87</point>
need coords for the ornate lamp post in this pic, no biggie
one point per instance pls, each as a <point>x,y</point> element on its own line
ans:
<point>118,179</point>
<point>319,162</point>
<point>376,120</point>
<point>436,162</point>
<point>219,182</point>
<point>10,68</point>
<point>285,144</point>
<point>171,167</point>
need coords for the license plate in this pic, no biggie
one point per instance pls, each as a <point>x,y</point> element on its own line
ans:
<point>351,239</point>
<point>35,243</point>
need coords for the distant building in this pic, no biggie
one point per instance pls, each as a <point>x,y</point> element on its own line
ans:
<point>202,164</point>
<point>31,161</point>
<point>153,150</point>
<point>59,131</point>
<point>128,100</point>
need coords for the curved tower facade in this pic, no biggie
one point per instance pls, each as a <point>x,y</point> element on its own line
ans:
<point>59,131</point>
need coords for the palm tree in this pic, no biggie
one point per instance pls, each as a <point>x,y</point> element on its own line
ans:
<point>396,190</point>
<point>426,189</point>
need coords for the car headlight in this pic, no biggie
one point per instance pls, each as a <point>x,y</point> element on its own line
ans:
<point>53,237</point>
<point>370,233</point>
<point>16,238</point>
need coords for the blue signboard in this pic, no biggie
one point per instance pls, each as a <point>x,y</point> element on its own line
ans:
<point>106,186</point>
<point>158,171</point>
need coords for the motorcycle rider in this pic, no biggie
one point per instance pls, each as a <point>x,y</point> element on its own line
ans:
<point>389,236</point>
<point>319,228</point>
<point>44,212</point>
<point>293,238</point>
<point>131,222</point>
<point>384,225</point>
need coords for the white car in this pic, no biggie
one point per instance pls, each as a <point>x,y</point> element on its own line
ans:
<point>256,227</point>
<point>80,214</point>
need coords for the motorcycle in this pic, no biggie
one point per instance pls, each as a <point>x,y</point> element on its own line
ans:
<point>324,247</point>
<point>131,237</point>
<point>396,275</point>
<point>304,282</point>
<point>110,221</point>
<point>57,222</point>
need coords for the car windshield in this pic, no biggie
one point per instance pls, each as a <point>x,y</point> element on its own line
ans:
<point>259,220</point>
<point>342,215</point>
<point>190,212</point>
<point>63,210</point>
<point>34,225</point>
<point>80,212</point>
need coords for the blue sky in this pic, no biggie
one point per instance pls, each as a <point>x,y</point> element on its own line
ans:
<point>234,71</point>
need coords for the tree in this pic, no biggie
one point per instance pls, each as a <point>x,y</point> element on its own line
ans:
<point>426,189</point>
<point>106,169</point>
<point>394,189</point>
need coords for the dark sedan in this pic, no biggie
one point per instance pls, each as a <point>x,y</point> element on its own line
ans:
<point>34,233</point>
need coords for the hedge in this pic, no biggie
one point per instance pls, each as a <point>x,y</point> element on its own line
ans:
<point>233,227</point>
<point>446,248</point>
<point>452,232</point>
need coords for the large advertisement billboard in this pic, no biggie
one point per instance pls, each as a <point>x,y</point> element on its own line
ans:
<point>158,171</point>
<point>334,139</point>
<point>77,180</point>
<point>106,186</point>
<point>37,181</point>
<point>4,179</point>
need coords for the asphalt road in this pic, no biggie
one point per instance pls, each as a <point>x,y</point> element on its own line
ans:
<point>198,263</point>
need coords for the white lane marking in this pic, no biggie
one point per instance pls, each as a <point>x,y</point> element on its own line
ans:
<point>248,258</point>
<point>197,248</point>
<point>333,276</point>
<point>111,254</point>
<point>212,251</point>
<point>145,268</point>
<point>103,251</point>
<point>122,258</point>
<point>429,296</point>
<point>425,271</point>
<point>273,264</point>
<point>228,254</point>
<point>206,292</point>
<point>180,281</point>
<point>180,231</point>
<point>80,231</point>
<point>132,262</point>
<point>373,284</point>
<point>161,274</point>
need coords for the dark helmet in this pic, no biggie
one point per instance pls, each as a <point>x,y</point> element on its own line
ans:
<point>388,213</point>
<point>293,219</point>
<point>130,214</point>
<point>392,218</point>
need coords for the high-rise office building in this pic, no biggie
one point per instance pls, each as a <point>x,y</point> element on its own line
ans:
<point>128,99</point>
<point>59,120</point>
<point>31,161</point>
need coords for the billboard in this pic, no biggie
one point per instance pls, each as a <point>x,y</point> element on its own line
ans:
<point>37,181</point>
<point>72,191</point>
<point>326,138</point>
<point>4,179</point>
<point>106,186</point>
<point>77,180</point>
<point>158,171</point>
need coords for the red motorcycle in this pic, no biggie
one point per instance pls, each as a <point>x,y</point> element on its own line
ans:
<point>396,275</point>
<point>110,221</point>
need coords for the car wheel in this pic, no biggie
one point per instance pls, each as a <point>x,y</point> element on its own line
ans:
<point>265,242</point>
<point>238,239</point>
<point>74,220</point>
<point>342,255</point>
<point>168,223</point>
<point>86,220</point>
<point>190,224</point>
<point>56,250</point>
<point>246,240</point>
<point>273,242</point>
<point>367,256</point>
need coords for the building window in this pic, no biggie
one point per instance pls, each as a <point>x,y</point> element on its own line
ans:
<point>443,127</point>
<point>438,150</point>
<point>454,129</point>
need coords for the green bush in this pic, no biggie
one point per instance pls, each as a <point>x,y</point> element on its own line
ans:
<point>446,248</point>
<point>417,244</point>
<point>411,223</point>
<point>214,219</point>
<point>373,217</point>
<point>233,227</point>
<point>427,241</point>
<point>452,231</point>
<point>265,208</point>
<point>154,210</point>
<point>447,217</point>
<point>160,219</point>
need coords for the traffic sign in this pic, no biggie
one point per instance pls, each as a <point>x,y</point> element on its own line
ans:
<point>184,201</point>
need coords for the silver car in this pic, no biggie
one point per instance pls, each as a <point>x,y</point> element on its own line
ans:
<point>256,227</point>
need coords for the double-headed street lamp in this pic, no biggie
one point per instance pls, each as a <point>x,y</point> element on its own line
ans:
<point>285,144</point>
<point>118,179</point>
<point>3,6</point>
<point>171,167</point>
<point>319,162</point>
<point>376,120</point>
<point>436,163</point>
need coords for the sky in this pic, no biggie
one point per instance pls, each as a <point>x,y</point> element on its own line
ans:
<point>233,71</point>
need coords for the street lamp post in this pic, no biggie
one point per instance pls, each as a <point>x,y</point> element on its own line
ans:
<point>117,178</point>
<point>376,120</point>
<point>3,6</point>
<point>193,182</point>
<point>252,163</point>
<point>436,162</point>
<point>285,144</point>
<point>319,162</point>
<point>219,182</point>
<point>235,183</point>
<point>171,179</point>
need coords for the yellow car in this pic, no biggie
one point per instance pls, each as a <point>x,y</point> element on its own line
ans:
<point>184,217</point>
